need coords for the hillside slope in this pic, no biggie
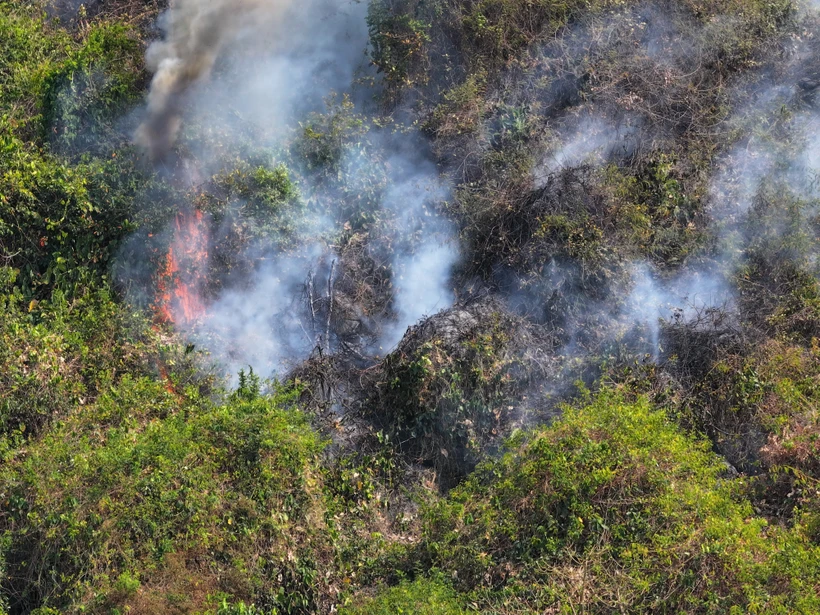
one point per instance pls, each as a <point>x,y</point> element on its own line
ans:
<point>446,306</point>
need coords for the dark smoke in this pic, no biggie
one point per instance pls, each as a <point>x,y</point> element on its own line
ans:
<point>196,31</point>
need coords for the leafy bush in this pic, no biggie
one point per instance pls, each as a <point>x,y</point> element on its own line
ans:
<point>46,218</point>
<point>397,41</point>
<point>65,90</point>
<point>29,52</point>
<point>58,353</point>
<point>87,94</point>
<point>147,481</point>
<point>654,212</point>
<point>59,223</point>
<point>421,597</point>
<point>614,508</point>
<point>460,112</point>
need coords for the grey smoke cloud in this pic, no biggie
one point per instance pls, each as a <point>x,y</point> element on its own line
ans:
<point>685,296</point>
<point>272,74</point>
<point>195,34</point>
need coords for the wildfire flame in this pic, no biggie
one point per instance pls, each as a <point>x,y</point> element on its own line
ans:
<point>180,278</point>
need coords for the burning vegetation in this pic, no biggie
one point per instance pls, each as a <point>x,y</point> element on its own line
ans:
<point>398,306</point>
<point>183,275</point>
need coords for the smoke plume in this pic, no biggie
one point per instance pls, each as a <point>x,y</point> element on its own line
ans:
<point>245,79</point>
<point>195,33</point>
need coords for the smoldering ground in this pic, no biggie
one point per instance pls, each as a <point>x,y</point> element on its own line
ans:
<point>775,106</point>
<point>232,76</point>
<point>259,80</point>
<point>571,108</point>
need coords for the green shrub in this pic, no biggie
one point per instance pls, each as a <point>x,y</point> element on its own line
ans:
<point>47,222</point>
<point>59,224</point>
<point>67,91</point>
<point>325,136</point>
<point>87,94</point>
<point>29,52</point>
<point>655,215</point>
<point>421,597</point>
<point>58,353</point>
<point>460,112</point>
<point>616,487</point>
<point>344,162</point>
<point>261,202</point>
<point>397,43</point>
<point>147,481</point>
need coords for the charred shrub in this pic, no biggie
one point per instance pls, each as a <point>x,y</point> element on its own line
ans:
<point>562,219</point>
<point>443,395</point>
<point>778,284</point>
<point>707,355</point>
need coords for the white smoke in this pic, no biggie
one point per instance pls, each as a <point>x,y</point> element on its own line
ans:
<point>261,325</point>
<point>422,264</point>
<point>229,74</point>
<point>592,139</point>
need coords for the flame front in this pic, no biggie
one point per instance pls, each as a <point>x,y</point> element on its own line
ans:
<point>184,271</point>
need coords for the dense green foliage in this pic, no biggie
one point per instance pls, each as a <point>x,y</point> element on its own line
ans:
<point>61,95</point>
<point>134,479</point>
<point>144,481</point>
<point>614,502</point>
<point>422,597</point>
<point>58,354</point>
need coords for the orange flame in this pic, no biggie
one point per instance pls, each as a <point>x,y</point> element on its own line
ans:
<point>184,270</point>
